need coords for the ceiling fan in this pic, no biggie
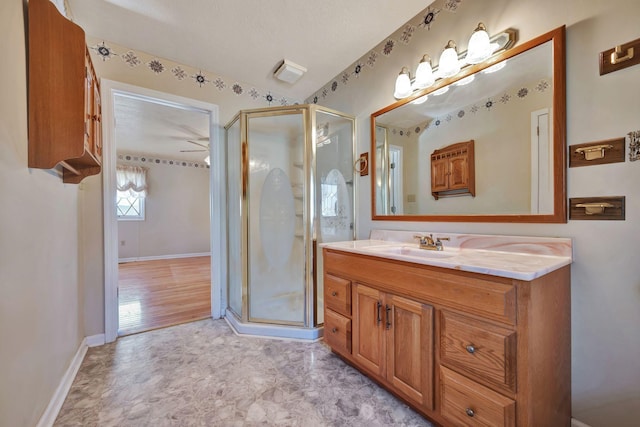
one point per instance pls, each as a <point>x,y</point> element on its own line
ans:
<point>197,140</point>
<point>205,147</point>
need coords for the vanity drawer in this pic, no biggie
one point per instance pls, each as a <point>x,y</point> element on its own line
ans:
<point>337,294</point>
<point>467,403</point>
<point>487,296</point>
<point>337,332</point>
<point>481,350</point>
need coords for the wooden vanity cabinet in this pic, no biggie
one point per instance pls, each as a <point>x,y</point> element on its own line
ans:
<point>64,96</point>
<point>453,170</point>
<point>463,349</point>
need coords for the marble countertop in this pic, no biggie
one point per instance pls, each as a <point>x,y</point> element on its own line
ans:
<point>522,258</point>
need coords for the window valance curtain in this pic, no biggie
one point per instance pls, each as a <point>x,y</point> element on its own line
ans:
<point>132,179</point>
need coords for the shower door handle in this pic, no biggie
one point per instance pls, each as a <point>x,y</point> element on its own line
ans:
<point>244,169</point>
<point>379,306</point>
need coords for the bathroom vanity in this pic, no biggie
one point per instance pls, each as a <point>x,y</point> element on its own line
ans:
<point>477,334</point>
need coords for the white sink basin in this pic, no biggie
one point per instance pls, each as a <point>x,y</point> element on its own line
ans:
<point>411,251</point>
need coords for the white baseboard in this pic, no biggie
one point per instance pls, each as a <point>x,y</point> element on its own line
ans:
<point>95,340</point>
<point>51,413</point>
<point>154,258</point>
<point>576,423</point>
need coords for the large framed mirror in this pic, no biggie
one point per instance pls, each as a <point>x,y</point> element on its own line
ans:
<point>513,111</point>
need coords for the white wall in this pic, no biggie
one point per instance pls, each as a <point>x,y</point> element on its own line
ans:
<point>41,283</point>
<point>605,273</point>
<point>177,218</point>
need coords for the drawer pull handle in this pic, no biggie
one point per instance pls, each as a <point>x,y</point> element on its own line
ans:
<point>379,305</point>
<point>334,330</point>
<point>471,349</point>
<point>334,294</point>
<point>470,412</point>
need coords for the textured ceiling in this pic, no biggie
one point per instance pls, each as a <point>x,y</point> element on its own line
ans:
<point>164,131</point>
<point>247,39</point>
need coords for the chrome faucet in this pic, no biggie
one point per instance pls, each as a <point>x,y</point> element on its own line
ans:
<point>427,242</point>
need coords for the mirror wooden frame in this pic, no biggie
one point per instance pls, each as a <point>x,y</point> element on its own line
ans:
<point>559,215</point>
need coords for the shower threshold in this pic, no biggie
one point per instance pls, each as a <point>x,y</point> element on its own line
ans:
<point>265,330</point>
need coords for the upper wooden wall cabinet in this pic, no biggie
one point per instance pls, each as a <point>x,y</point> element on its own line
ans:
<point>64,96</point>
<point>453,170</point>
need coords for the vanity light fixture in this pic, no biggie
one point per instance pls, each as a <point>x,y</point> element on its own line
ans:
<point>403,84</point>
<point>449,64</point>
<point>480,48</point>
<point>424,74</point>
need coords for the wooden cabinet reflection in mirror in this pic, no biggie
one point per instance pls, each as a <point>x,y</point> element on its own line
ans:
<point>453,171</point>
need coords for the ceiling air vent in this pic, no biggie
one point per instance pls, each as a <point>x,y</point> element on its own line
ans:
<point>289,72</point>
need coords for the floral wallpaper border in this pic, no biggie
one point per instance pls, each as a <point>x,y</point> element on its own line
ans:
<point>102,51</point>
<point>144,159</point>
<point>403,36</point>
<point>487,106</point>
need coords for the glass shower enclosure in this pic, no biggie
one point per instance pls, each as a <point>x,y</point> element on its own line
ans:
<point>290,186</point>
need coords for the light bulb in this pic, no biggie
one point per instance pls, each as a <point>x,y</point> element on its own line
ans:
<point>420,100</point>
<point>403,84</point>
<point>424,74</point>
<point>207,160</point>
<point>449,64</point>
<point>440,91</point>
<point>466,80</point>
<point>496,67</point>
<point>479,46</point>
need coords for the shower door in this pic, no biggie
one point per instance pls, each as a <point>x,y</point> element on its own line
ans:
<point>235,265</point>
<point>334,187</point>
<point>275,211</point>
<point>290,187</point>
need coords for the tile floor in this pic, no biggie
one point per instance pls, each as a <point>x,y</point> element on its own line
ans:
<point>202,374</point>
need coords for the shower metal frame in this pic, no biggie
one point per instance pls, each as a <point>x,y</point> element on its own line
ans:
<point>310,221</point>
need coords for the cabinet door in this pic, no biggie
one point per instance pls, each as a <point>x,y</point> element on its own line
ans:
<point>439,174</point>
<point>410,349</point>
<point>368,330</point>
<point>458,172</point>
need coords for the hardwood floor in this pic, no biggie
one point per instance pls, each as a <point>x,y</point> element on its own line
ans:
<point>156,294</point>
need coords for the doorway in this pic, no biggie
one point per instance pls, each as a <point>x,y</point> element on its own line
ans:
<point>176,248</point>
<point>396,197</point>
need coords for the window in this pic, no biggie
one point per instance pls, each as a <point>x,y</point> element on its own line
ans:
<point>329,199</point>
<point>129,207</point>
<point>132,189</point>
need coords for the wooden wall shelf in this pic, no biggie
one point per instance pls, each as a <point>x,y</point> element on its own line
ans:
<point>612,208</point>
<point>64,96</point>
<point>597,153</point>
